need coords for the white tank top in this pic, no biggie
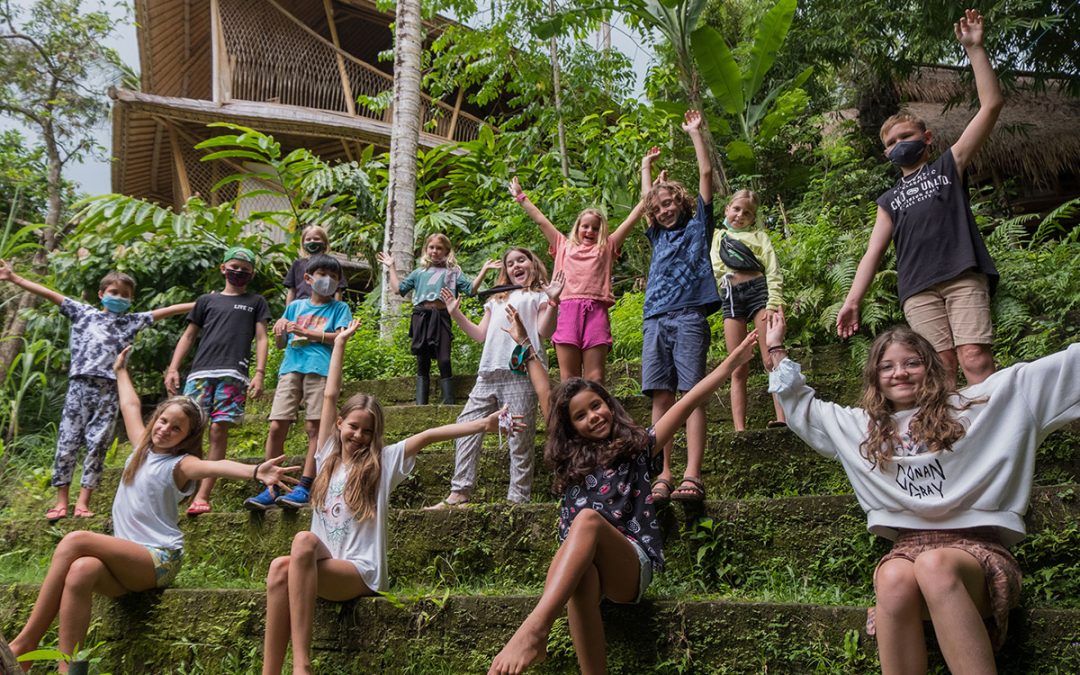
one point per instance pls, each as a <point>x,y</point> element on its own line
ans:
<point>145,511</point>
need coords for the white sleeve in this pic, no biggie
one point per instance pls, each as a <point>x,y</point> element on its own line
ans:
<point>396,464</point>
<point>826,427</point>
<point>1051,388</point>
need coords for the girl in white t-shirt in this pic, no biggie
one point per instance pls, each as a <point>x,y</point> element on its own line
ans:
<point>524,279</point>
<point>344,555</point>
<point>147,548</point>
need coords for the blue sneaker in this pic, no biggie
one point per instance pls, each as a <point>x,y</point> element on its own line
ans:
<point>263,501</point>
<point>298,498</point>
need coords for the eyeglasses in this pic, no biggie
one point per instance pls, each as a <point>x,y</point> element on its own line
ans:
<point>889,368</point>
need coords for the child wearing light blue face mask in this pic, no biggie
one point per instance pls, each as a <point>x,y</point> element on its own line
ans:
<point>91,404</point>
<point>306,332</point>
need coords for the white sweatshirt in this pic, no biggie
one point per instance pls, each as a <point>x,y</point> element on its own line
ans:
<point>985,480</point>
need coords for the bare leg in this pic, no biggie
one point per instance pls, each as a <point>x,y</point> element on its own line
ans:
<point>128,565</point>
<point>586,624</point>
<point>734,334</point>
<point>542,384</point>
<point>569,361</point>
<point>695,441</point>
<point>275,438</point>
<point>219,440</point>
<point>594,360</point>
<point>592,544</point>
<point>277,616</point>
<point>948,359</point>
<point>661,402</point>
<point>977,361</point>
<point>313,572</point>
<point>62,496</point>
<point>898,617</point>
<point>311,428</point>
<point>954,587</point>
<point>82,504</point>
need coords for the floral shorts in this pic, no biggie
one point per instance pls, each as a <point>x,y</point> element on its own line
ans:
<point>222,398</point>
<point>166,563</point>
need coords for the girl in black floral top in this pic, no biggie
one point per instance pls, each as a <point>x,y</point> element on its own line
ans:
<point>610,543</point>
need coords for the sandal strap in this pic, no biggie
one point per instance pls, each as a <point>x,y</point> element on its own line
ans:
<point>696,482</point>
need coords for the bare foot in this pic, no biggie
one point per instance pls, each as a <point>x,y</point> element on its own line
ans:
<point>527,648</point>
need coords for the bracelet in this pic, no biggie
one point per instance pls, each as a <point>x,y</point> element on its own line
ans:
<point>520,197</point>
<point>552,303</point>
<point>255,473</point>
<point>322,340</point>
<point>777,348</point>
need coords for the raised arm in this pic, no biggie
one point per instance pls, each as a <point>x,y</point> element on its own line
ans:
<point>328,420</point>
<point>8,274</point>
<point>449,432</point>
<point>494,264</point>
<point>268,473</point>
<point>387,261</point>
<point>453,306</point>
<point>646,170</point>
<point>172,310</point>
<point>692,125</point>
<point>130,408</point>
<point>183,345</point>
<point>537,216</point>
<point>548,319</point>
<point>620,234</point>
<point>673,420</point>
<point>847,319</point>
<point>969,31</point>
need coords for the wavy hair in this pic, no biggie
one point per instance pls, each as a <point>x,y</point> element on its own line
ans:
<point>451,259</point>
<point>537,283</point>
<point>935,423</point>
<point>365,465</point>
<point>678,191</point>
<point>571,457</point>
<point>601,238</point>
<point>190,445</point>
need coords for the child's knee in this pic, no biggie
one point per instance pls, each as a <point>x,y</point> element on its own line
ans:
<point>586,522</point>
<point>937,572</point>
<point>278,575</point>
<point>83,573</point>
<point>304,544</point>
<point>75,542</point>
<point>896,587</point>
<point>741,374</point>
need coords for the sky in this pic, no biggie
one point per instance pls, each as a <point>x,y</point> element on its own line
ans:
<point>94,175</point>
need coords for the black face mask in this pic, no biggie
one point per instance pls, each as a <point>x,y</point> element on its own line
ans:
<point>314,247</point>
<point>906,153</point>
<point>238,278</point>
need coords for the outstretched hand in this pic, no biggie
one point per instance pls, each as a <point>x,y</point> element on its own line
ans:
<point>384,258</point>
<point>347,332</point>
<point>121,359</point>
<point>847,320</point>
<point>650,156</point>
<point>515,327</point>
<point>745,351</point>
<point>511,424</point>
<point>776,329</point>
<point>691,121</point>
<point>451,301</point>
<point>5,271</point>
<point>969,29</point>
<point>515,187</point>
<point>555,288</point>
<point>271,472</point>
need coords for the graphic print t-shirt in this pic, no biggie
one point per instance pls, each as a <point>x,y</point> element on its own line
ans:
<point>303,355</point>
<point>680,273</point>
<point>227,327</point>
<point>933,228</point>
<point>98,336</point>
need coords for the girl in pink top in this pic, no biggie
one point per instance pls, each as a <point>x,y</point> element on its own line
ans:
<point>583,334</point>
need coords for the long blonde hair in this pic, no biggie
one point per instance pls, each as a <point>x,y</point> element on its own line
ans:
<point>190,445</point>
<point>451,259</point>
<point>365,467</point>
<point>537,283</point>
<point>935,423</point>
<point>601,238</point>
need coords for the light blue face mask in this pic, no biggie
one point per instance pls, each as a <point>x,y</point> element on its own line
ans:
<point>115,304</point>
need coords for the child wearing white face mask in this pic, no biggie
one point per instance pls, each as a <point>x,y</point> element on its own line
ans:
<point>308,328</point>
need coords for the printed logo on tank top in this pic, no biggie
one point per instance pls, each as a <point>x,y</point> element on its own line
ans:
<point>926,184</point>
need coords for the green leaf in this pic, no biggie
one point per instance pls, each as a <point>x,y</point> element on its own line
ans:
<point>741,155</point>
<point>789,105</point>
<point>718,69</point>
<point>234,154</point>
<point>672,109</point>
<point>771,33</point>
<point>42,655</point>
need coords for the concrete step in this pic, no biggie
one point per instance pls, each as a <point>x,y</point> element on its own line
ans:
<point>221,631</point>
<point>798,546</point>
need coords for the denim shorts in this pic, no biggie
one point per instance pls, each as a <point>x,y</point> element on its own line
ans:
<point>646,570</point>
<point>674,349</point>
<point>166,563</point>
<point>743,301</point>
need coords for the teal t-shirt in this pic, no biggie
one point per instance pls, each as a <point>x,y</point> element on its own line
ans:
<point>302,355</point>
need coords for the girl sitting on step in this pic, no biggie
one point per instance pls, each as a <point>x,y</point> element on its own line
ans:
<point>147,547</point>
<point>611,543</point>
<point>944,474</point>
<point>343,556</point>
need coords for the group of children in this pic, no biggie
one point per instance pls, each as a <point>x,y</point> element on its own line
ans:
<point>949,562</point>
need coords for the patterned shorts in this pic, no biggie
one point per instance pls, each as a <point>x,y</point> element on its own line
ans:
<point>1002,572</point>
<point>166,563</point>
<point>222,398</point>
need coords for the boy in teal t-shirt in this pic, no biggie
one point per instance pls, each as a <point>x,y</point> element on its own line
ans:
<point>309,327</point>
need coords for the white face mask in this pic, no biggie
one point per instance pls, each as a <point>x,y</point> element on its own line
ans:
<point>324,285</point>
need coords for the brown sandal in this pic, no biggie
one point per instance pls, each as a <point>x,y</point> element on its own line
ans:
<point>694,492</point>
<point>661,491</point>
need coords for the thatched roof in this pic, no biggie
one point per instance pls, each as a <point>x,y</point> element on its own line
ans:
<point>1037,137</point>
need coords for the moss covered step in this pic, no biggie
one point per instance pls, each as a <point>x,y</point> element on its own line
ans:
<point>220,632</point>
<point>813,548</point>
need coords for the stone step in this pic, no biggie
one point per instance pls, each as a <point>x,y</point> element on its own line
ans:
<point>221,631</point>
<point>802,546</point>
<point>755,463</point>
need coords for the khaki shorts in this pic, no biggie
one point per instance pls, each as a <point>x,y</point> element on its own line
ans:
<point>292,388</point>
<point>952,313</point>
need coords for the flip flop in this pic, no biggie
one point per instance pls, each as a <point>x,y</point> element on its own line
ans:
<point>83,513</point>
<point>776,424</point>
<point>445,505</point>
<point>661,491</point>
<point>54,514</point>
<point>199,508</point>
<point>694,492</point>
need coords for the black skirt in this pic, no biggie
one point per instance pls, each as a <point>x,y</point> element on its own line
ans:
<point>429,330</point>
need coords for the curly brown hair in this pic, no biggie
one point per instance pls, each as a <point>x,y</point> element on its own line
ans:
<point>571,457</point>
<point>678,191</point>
<point>935,423</point>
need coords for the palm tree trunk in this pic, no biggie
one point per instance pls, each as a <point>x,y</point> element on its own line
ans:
<point>555,77</point>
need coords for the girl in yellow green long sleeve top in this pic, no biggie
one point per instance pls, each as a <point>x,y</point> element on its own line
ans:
<point>750,280</point>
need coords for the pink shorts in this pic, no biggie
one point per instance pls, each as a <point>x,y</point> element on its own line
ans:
<point>583,323</point>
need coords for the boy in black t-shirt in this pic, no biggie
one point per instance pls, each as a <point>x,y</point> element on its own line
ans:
<point>218,380</point>
<point>945,275</point>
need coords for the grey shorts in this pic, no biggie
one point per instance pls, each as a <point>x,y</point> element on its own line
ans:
<point>743,301</point>
<point>674,349</point>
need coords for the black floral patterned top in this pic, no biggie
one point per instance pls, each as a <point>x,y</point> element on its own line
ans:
<point>623,495</point>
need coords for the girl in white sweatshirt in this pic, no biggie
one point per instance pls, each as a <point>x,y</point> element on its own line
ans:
<point>946,475</point>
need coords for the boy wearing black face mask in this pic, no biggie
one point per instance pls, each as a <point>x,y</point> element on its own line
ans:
<point>944,273</point>
<point>218,380</point>
<point>308,327</point>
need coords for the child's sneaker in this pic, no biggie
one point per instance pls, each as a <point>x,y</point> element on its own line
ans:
<point>296,499</point>
<point>262,501</point>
